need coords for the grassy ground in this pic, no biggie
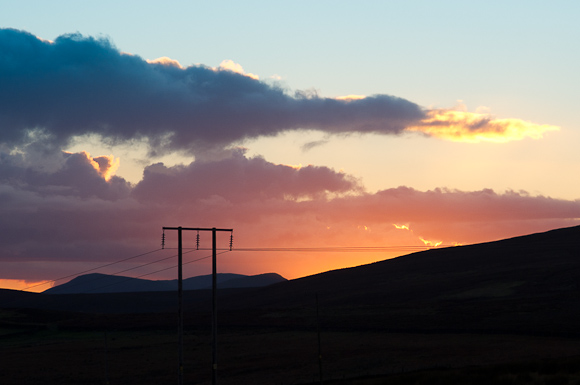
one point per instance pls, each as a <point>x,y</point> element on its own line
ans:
<point>283,356</point>
<point>564,371</point>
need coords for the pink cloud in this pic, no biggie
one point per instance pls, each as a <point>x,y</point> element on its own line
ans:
<point>72,216</point>
<point>238,179</point>
<point>65,210</point>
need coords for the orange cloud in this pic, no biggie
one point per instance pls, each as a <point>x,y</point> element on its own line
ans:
<point>230,65</point>
<point>106,166</point>
<point>430,243</point>
<point>350,97</point>
<point>425,241</point>
<point>463,126</point>
<point>294,166</point>
<point>166,61</point>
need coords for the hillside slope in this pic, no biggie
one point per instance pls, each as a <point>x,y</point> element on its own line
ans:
<point>526,284</point>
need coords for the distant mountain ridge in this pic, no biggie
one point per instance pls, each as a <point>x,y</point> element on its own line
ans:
<point>104,283</point>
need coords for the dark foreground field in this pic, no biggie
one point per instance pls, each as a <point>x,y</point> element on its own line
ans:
<point>506,312</point>
<point>143,350</point>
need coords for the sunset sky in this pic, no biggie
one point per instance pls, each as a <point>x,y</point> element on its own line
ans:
<point>319,125</point>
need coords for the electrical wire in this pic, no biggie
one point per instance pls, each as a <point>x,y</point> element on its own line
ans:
<point>348,249</point>
<point>96,279</point>
<point>341,249</point>
<point>89,270</point>
<point>153,272</point>
<point>125,270</point>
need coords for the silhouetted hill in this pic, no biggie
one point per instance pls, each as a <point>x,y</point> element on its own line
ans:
<point>543,262</point>
<point>527,284</point>
<point>504,302</point>
<point>103,283</point>
<point>260,280</point>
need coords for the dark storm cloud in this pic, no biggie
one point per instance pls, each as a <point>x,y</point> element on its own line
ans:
<point>78,85</point>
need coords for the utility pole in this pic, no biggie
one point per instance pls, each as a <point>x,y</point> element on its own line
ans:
<point>214,307</point>
<point>180,293</point>
<point>180,304</point>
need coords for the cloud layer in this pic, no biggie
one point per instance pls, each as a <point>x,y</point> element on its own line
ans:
<point>72,213</point>
<point>80,85</point>
<point>60,207</point>
<point>76,85</point>
<point>463,126</point>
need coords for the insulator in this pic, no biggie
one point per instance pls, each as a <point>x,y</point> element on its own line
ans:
<point>197,241</point>
<point>163,240</point>
<point>231,241</point>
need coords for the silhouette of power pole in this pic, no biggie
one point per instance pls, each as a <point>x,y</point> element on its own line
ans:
<point>180,293</point>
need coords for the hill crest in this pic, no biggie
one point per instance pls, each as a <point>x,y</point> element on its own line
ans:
<point>105,283</point>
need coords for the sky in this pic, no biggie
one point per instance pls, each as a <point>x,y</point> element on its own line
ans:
<point>327,134</point>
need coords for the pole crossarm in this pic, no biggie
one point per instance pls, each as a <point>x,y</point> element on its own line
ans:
<point>196,229</point>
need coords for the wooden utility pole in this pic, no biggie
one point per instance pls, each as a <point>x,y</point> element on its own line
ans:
<point>180,304</point>
<point>214,295</point>
<point>214,306</point>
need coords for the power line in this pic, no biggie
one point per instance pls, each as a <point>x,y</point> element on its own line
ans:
<point>96,279</point>
<point>246,249</point>
<point>89,270</point>
<point>152,272</point>
<point>341,249</point>
<point>132,268</point>
<point>329,248</point>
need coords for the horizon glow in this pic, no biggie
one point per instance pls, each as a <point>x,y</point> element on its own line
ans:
<point>109,134</point>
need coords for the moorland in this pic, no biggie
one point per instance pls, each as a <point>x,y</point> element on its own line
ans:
<point>505,312</point>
